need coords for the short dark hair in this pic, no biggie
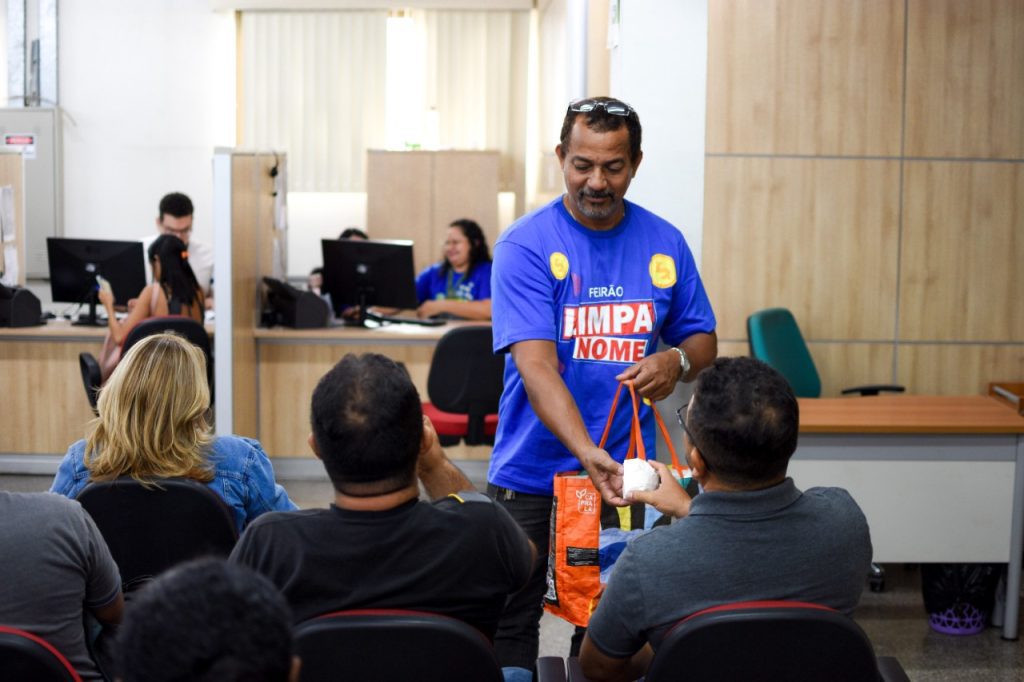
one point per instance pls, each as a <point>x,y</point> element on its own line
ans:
<point>367,422</point>
<point>600,121</point>
<point>744,418</point>
<point>175,204</point>
<point>478,251</point>
<point>206,620</point>
<point>353,232</point>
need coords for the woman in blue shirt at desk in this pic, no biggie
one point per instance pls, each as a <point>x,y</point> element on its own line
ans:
<point>460,285</point>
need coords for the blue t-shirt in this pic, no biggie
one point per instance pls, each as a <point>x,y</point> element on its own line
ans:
<point>474,285</point>
<point>604,298</point>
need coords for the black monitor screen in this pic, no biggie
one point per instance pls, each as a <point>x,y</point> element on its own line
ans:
<point>369,273</point>
<point>74,264</point>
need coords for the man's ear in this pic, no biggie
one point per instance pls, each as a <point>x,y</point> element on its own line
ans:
<point>312,445</point>
<point>558,152</point>
<point>696,461</point>
<point>636,164</point>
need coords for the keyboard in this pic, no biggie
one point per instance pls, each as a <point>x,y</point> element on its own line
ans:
<point>402,319</point>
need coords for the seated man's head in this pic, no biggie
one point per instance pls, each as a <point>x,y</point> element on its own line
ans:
<point>207,620</point>
<point>742,421</point>
<point>367,425</point>
<point>175,217</point>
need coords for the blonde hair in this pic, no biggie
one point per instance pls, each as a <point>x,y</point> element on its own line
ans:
<point>152,415</point>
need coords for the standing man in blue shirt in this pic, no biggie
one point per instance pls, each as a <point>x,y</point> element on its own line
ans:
<point>582,289</point>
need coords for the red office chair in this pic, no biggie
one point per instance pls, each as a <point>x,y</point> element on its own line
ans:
<point>392,644</point>
<point>464,386</point>
<point>767,640</point>
<point>24,656</point>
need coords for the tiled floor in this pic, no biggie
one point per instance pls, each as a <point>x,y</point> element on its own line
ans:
<point>895,620</point>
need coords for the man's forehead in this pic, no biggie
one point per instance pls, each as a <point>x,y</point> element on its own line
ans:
<point>604,146</point>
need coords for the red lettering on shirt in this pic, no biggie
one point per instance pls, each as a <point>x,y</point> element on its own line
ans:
<point>609,349</point>
<point>608,319</point>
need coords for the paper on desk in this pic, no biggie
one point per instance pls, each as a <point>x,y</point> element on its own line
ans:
<point>7,227</point>
<point>10,271</point>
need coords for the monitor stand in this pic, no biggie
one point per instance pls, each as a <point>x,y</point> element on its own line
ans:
<point>91,320</point>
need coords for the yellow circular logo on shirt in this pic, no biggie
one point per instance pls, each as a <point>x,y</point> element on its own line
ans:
<point>663,270</point>
<point>559,265</point>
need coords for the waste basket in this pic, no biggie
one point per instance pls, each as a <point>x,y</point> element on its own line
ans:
<point>959,597</point>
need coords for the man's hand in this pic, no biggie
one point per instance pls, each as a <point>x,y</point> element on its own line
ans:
<point>606,475</point>
<point>670,498</point>
<point>655,376</point>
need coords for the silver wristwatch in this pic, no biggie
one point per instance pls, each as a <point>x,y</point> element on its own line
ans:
<point>684,362</point>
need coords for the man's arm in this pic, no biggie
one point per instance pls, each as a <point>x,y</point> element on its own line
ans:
<point>436,472</point>
<point>537,362</point>
<point>600,667</point>
<point>112,612</point>
<point>656,375</point>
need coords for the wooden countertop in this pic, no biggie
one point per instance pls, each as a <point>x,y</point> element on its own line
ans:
<point>401,332</point>
<point>60,330</point>
<point>908,414</point>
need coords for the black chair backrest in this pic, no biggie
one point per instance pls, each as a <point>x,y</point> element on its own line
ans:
<point>393,645</point>
<point>150,529</point>
<point>24,656</point>
<point>185,326</point>
<point>766,641</point>
<point>92,378</point>
<point>466,377</point>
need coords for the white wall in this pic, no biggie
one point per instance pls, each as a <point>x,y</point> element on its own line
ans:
<point>660,68</point>
<point>148,91</point>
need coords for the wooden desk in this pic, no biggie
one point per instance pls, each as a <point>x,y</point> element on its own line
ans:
<point>940,479</point>
<point>291,361</point>
<point>44,403</point>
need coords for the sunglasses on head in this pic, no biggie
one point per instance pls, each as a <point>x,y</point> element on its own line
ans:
<point>611,106</point>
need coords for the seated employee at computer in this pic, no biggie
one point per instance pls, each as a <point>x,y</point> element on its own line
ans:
<point>174,291</point>
<point>460,285</point>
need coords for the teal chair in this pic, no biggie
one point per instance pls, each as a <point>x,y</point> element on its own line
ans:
<point>775,339</point>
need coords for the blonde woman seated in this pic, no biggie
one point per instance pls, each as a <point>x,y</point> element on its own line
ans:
<point>152,425</point>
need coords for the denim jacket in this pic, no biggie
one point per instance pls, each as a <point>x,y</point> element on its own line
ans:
<point>243,477</point>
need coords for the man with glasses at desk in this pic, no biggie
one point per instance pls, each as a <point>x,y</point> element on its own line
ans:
<point>175,218</point>
<point>582,290</point>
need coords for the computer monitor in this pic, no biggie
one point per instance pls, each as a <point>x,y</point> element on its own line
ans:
<point>75,263</point>
<point>368,273</point>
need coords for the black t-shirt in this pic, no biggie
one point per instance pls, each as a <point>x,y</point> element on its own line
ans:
<point>460,557</point>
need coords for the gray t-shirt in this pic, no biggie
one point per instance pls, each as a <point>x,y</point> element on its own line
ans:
<point>777,543</point>
<point>55,563</point>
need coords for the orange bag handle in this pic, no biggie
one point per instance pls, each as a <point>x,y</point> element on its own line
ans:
<point>636,441</point>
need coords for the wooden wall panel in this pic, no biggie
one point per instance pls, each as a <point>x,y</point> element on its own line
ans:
<point>805,76</point>
<point>962,275</point>
<point>845,365</point>
<point>965,78</point>
<point>958,369</point>
<point>416,194</point>
<point>816,236</point>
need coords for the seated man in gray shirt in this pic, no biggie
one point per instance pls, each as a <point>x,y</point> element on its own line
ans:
<point>55,568</point>
<point>750,535</point>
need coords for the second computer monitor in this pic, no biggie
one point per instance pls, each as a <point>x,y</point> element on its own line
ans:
<point>369,273</point>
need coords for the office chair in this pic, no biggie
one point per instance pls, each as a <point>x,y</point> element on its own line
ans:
<point>185,326</point>
<point>24,656</point>
<point>464,386</point>
<point>767,640</point>
<point>775,338</point>
<point>392,644</point>
<point>151,528</point>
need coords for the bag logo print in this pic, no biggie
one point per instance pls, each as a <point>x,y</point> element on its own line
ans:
<point>586,501</point>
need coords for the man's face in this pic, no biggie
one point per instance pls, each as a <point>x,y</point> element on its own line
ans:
<point>177,227</point>
<point>597,171</point>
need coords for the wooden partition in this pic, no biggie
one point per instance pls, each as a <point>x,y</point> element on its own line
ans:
<point>417,194</point>
<point>865,168</point>
<point>246,190</point>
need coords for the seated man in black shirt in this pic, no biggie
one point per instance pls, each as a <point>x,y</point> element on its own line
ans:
<point>378,545</point>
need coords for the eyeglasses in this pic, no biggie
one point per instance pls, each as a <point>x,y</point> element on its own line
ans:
<point>681,416</point>
<point>176,233</point>
<point>611,106</point>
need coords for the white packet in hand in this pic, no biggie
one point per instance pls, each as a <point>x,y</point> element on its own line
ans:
<point>637,474</point>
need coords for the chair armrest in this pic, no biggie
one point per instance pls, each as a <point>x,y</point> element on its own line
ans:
<point>574,671</point>
<point>550,669</point>
<point>874,389</point>
<point>891,670</point>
